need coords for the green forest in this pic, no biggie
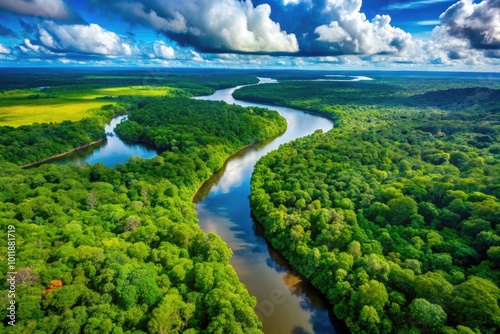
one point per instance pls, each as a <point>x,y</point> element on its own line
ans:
<point>118,250</point>
<point>196,82</point>
<point>394,215</point>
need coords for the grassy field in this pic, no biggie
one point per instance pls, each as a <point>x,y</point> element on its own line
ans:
<point>52,110</point>
<point>23,107</point>
<point>129,91</point>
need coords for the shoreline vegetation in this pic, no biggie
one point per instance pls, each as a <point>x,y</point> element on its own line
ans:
<point>380,213</point>
<point>63,154</point>
<point>29,145</point>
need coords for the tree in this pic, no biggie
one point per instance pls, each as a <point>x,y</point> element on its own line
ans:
<point>144,281</point>
<point>131,223</point>
<point>171,315</point>
<point>27,276</point>
<point>127,296</point>
<point>426,315</point>
<point>53,285</point>
<point>475,304</point>
<point>402,210</point>
<point>494,255</point>
<point>433,287</point>
<point>369,317</point>
<point>92,200</point>
<point>373,294</point>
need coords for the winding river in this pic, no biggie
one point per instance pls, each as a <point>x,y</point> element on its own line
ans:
<point>285,303</point>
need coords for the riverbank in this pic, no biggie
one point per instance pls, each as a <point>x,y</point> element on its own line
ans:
<point>81,147</point>
<point>64,153</point>
<point>232,156</point>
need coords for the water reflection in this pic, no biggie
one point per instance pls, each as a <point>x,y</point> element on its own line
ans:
<point>285,302</point>
<point>111,152</point>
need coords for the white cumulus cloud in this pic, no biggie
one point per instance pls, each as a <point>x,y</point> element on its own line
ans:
<point>162,50</point>
<point>350,32</point>
<point>92,39</point>
<point>218,26</point>
<point>295,2</point>
<point>4,49</point>
<point>479,23</point>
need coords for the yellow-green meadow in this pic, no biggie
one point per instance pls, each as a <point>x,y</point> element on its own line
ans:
<point>28,106</point>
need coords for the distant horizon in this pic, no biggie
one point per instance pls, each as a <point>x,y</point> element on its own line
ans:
<point>160,69</point>
<point>409,35</point>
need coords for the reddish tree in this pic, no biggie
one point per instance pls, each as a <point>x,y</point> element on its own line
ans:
<point>54,284</point>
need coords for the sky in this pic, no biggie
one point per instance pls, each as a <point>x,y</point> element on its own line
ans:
<point>306,34</point>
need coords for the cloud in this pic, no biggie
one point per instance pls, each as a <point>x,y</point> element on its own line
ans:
<point>351,33</point>
<point>212,26</point>
<point>48,9</point>
<point>428,22</point>
<point>413,4</point>
<point>90,39</point>
<point>196,56</point>
<point>34,48</point>
<point>162,50</point>
<point>295,2</point>
<point>7,32</point>
<point>328,59</point>
<point>479,24</point>
<point>4,49</point>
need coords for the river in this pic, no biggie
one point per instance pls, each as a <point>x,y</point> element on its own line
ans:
<point>285,303</point>
<point>110,152</point>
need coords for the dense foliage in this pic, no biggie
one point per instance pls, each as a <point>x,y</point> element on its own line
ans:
<point>125,245</point>
<point>394,214</point>
<point>118,250</point>
<point>29,143</point>
<point>210,130</point>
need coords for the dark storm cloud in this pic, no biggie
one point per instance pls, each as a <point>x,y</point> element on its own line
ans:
<point>46,9</point>
<point>477,23</point>
<point>6,32</point>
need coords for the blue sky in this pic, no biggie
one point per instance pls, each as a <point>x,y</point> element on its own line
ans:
<point>310,34</point>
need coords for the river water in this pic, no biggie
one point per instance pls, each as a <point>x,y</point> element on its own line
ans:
<point>285,303</point>
<point>111,152</point>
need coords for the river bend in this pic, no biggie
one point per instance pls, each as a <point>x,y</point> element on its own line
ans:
<point>285,303</point>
